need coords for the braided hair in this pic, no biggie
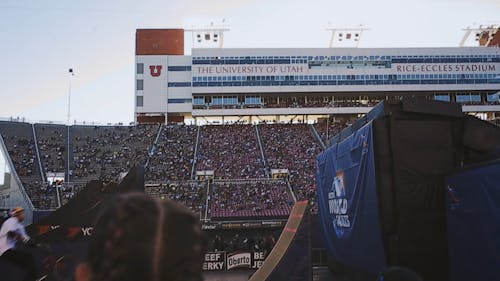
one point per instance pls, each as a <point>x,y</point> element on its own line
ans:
<point>137,237</point>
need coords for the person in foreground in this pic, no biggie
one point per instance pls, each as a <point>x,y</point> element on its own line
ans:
<point>137,237</point>
<point>12,234</point>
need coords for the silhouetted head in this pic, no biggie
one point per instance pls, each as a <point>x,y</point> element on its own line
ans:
<point>137,237</point>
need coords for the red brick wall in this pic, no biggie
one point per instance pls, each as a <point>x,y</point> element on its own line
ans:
<point>159,42</point>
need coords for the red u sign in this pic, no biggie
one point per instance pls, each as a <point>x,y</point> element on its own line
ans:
<point>155,70</point>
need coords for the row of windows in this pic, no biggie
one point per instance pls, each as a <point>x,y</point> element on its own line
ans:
<point>344,77</point>
<point>179,68</point>
<point>179,100</point>
<point>253,100</point>
<point>301,80</point>
<point>257,100</point>
<point>319,62</point>
<point>227,100</point>
<point>344,57</point>
<point>345,82</point>
<point>179,84</point>
<point>444,60</point>
<point>245,61</point>
<point>317,59</point>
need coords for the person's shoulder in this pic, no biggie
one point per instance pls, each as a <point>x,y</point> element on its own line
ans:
<point>9,223</point>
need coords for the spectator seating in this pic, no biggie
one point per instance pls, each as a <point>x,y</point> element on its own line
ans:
<point>292,147</point>
<point>173,156</point>
<point>190,193</point>
<point>231,151</point>
<point>249,199</point>
<point>20,143</point>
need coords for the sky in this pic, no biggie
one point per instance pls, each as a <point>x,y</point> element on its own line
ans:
<point>42,39</point>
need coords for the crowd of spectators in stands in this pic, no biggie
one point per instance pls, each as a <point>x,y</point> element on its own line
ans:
<point>173,156</point>
<point>329,128</point>
<point>231,151</point>
<point>292,147</point>
<point>190,193</point>
<point>19,141</point>
<point>249,199</point>
<point>52,143</point>
<point>107,152</point>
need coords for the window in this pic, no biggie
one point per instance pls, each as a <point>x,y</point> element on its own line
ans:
<point>442,97</point>
<point>139,85</point>
<point>217,100</point>
<point>139,101</point>
<point>231,100</point>
<point>493,97</point>
<point>469,98</point>
<point>199,100</point>
<point>179,68</point>
<point>140,68</point>
<point>179,100</point>
<point>179,84</point>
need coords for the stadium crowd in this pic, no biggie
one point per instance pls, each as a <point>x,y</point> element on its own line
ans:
<point>231,151</point>
<point>190,193</point>
<point>292,147</point>
<point>52,142</point>
<point>249,199</point>
<point>107,152</point>
<point>173,155</point>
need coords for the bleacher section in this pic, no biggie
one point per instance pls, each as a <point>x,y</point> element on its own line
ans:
<point>231,151</point>
<point>190,193</point>
<point>292,147</point>
<point>249,199</point>
<point>242,188</point>
<point>102,152</point>
<point>173,155</point>
<point>18,138</point>
<point>52,143</point>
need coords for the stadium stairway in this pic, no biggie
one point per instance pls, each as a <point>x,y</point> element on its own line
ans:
<point>261,148</point>
<point>317,137</point>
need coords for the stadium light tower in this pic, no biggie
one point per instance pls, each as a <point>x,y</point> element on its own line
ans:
<point>345,37</point>
<point>208,36</point>
<point>483,34</point>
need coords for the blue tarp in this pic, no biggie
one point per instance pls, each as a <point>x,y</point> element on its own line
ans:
<point>348,203</point>
<point>473,215</point>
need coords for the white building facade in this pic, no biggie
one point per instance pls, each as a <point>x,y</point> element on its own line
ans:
<point>220,82</point>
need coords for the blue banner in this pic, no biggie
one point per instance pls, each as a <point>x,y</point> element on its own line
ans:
<point>348,202</point>
<point>473,217</point>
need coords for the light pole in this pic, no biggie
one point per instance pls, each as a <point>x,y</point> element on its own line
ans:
<point>68,165</point>
<point>69,94</point>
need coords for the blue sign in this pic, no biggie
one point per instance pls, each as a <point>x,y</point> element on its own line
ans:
<point>348,202</point>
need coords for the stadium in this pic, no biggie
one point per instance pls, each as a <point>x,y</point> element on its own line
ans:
<point>234,134</point>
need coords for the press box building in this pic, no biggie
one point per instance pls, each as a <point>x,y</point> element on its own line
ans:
<point>308,83</point>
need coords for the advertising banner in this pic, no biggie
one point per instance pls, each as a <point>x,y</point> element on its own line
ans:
<point>233,260</point>
<point>348,202</point>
